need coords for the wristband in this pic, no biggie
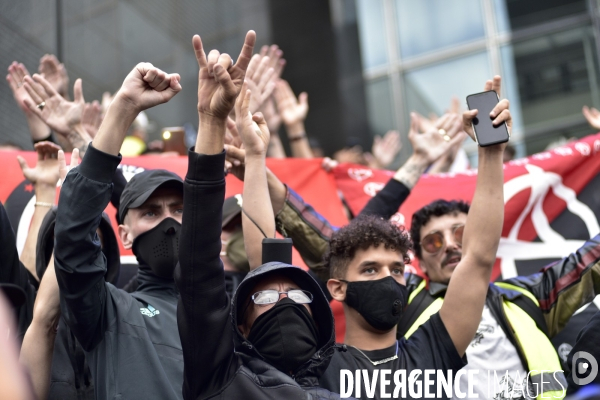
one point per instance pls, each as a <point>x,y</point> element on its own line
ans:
<point>297,137</point>
<point>42,204</point>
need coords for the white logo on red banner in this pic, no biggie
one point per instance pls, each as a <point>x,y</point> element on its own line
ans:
<point>553,244</point>
<point>372,188</point>
<point>359,174</point>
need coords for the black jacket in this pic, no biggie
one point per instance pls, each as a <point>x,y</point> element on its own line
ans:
<point>219,362</point>
<point>14,272</point>
<point>130,339</point>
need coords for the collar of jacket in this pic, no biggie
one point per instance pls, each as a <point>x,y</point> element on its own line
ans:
<point>148,282</point>
<point>308,374</point>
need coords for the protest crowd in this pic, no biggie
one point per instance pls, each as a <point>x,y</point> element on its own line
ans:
<point>214,307</point>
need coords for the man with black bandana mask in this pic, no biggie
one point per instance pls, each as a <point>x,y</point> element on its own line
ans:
<point>130,339</point>
<point>276,337</point>
<point>366,261</point>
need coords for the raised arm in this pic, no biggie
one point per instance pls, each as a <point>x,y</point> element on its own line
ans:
<point>37,128</point>
<point>38,343</point>
<point>63,116</point>
<point>465,298</point>
<point>257,219</point>
<point>293,112</point>
<point>86,191</point>
<point>428,145</point>
<point>203,309</point>
<point>44,177</point>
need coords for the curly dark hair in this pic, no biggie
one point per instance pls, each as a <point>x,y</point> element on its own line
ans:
<point>361,233</point>
<point>436,208</point>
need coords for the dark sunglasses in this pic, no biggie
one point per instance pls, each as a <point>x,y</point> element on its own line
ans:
<point>434,242</point>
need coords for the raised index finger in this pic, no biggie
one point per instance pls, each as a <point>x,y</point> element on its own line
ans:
<point>199,50</point>
<point>246,53</point>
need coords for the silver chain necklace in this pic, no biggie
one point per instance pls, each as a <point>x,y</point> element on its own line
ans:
<point>379,361</point>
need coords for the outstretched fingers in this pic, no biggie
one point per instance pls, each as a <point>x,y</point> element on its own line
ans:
<point>78,91</point>
<point>199,51</point>
<point>246,53</point>
<point>40,80</point>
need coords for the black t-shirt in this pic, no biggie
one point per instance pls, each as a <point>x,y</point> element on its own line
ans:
<point>429,348</point>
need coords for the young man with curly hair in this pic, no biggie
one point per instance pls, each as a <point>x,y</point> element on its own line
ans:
<point>366,260</point>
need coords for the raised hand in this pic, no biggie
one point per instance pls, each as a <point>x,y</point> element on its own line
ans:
<point>439,137</point>
<point>92,117</point>
<point>45,171</point>
<point>147,86</point>
<point>500,113</point>
<point>16,73</point>
<point>252,128</point>
<point>592,116</point>
<point>63,170</point>
<point>58,113</point>
<point>260,81</point>
<point>55,73</point>
<point>386,148</point>
<point>219,82</point>
<point>292,110</point>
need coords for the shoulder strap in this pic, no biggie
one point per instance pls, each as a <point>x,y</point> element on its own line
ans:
<point>527,302</point>
<point>533,311</point>
<point>419,300</point>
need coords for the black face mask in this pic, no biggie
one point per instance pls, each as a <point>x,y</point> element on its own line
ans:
<point>158,248</point>
<point>380,302</point>
<point>286,335</point>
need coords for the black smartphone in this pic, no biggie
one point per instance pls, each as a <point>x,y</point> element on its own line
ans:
<point>486,133</point>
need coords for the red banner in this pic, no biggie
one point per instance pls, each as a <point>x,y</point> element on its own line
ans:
<point>537,190</point>
<point>551,199</point>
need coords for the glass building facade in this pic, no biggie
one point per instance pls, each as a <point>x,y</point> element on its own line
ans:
<point>417,55</point>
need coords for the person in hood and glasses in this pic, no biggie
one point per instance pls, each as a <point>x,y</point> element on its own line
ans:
<point>276,336</point>
<point>130,340</point>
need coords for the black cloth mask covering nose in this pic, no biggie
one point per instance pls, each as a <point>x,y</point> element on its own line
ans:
<point>286,335</point>
<point>381,302</point>
<point>158,248</point>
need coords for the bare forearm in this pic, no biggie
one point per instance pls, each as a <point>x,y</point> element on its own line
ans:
<point>411,171</point>
<point>276,149</point>
<point>37,128</point>
<point>256,200</point>
<point>211,135</point>
<point>44,196</point>
<point>38,343</point>
<point>486,215</point>
<point>111,134</point>
<point>298,140</point>
<point>277,192</point>
<point>79,139</point>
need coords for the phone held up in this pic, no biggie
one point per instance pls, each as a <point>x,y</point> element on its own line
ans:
<point>486,133</point>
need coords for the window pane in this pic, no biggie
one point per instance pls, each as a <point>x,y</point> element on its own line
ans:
<point>430,89</point>
<point>523,14</point>
<point>502,22</point>
<point>379,105</point>
<point>427,25</point>
<point>371,29</point>
<point>557,75</point>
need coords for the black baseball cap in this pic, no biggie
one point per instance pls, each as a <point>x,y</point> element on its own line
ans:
<point>232,207</point>
<point>141,187</point>
<point>15,294</point>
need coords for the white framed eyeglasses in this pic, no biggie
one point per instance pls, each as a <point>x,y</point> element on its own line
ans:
<point>271,296</point>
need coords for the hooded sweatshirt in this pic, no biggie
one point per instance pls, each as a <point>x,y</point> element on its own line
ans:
<point>218,361</point>
<point>130,340</point>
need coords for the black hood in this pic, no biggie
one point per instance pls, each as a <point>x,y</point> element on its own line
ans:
<point>45,246</point>
<point>318,363</point>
